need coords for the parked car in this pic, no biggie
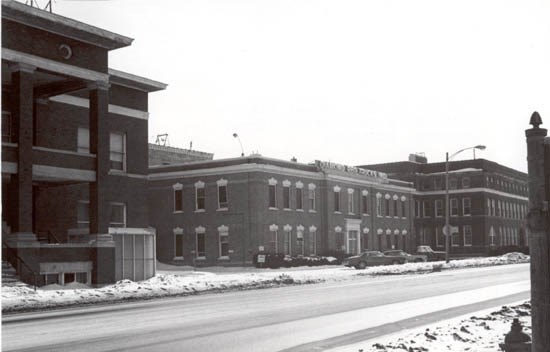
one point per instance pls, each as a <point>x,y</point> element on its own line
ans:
<point>409,258</point>
<point>430,253</point>
<point>371,258</point>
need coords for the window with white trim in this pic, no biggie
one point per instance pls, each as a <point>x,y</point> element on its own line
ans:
<point>311,197</point>
<point>439,237</point>
<point>83,214</point>
<point>222,194</point>
<point>455,239</point>
<point>200,196</point>
<point>272,193</point>
<point>178,197</point>
<point>466,206</point>
<point>365,202</point>
<point>178,243</point>
<point>83,140</point>
<point>223,235</point>
<point>336,195</point>
<point>403,207</point>
<point>299,196</point>
<point>465,182</point>
<point>200,249</point>
<point>378,204</point>
<point>117,151</point>
<point>339,239</point>
<point>312,240</point>
<point>287,241</point>
<point>272,241</point>
<point>438,208</point>
<point>286,195</point>
<point>387,205</point>
<point>427,208</point>
<point>417,210</point>
<point>395,207</point>
<point>117,215</point>
<point>454,207</point>
<point>467,229</point>
<point>300,240</point>
<point>453,183</point>
<point>6,126</point>
<point>351,201</point>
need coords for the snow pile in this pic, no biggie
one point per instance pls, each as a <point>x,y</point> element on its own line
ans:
<point>174,283</point>
<point>476,333</point>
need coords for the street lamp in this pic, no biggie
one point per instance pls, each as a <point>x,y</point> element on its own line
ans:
<point>237,136</point>
<point>446,229</point>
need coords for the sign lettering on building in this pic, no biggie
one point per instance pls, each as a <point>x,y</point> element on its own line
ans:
<point>329,165</point>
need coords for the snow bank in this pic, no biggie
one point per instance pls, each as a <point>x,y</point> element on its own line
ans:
<point>170,283</point>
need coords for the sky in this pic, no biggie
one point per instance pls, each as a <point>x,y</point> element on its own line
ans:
<point>348,81</point>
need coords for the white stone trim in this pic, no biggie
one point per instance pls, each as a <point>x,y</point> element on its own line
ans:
<point>337,229</point>
<point>273,228</point>
<point>364,192</point>
<point>403,198</point>
<point>200,229</point>
<point>396,232</point>
<point>351,191</point>
<point>299,185</point>
<point>366,230</point>
<point>395,197</point>
<point>388,232</point>
<point>178,231</point>
<point>287,228</point>
<point>378,195</point>
<point>404,232</point>
<point>311,186</point>
<point>113,109</point>
<point>199,184</point>
<point>62,173</point>
<point>300,228</point>
<point>177,186</point>
<point>312,228</point>
<point>387,196</point>
<point>9,167</point>
<point>223,229</point>
<point>474,190</point>
<point>60,151</point>
<point>336,188</point>
<point>272,181</point>
<point>221,182</point>
<point>51,65</point>
<point>380,231</point>
<point>286,183</point>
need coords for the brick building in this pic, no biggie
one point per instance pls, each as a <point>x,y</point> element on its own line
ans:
<point>488,203</point>
<point>221,212</point>
<point>74,152</point>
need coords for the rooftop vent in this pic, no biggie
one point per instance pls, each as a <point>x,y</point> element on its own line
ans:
<point>418,158</point>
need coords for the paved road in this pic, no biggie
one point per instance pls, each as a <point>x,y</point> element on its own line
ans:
<point>297,318</point>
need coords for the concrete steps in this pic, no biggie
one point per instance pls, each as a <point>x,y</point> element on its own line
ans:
<point>9,275</point>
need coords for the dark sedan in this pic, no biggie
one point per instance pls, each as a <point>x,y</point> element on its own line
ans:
<point>371,258</point>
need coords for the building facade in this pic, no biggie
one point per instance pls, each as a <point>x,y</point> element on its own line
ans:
<point>222,212</point>
<point>487,204</point>
<point>74,152</point>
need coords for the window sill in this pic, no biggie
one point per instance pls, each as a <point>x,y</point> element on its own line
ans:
<point>224,258</point>
<point>117,172</point>
<point>222,209</point>
<point>351,213</point>
<point>300,210</point>
<point>178,212</point>
<point>200,258</point>
<point>273,208</point>
<point>337,212</point>
<point>178,258</point>
<point>467,245</point>
<point>287,209</point>
<point>365,214</point>
<point>467,215</point>
<point>313,211</point>
<point>200,211</point>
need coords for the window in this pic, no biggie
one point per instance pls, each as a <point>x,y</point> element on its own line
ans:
<point>466,206</point>
<point>272,193</point>
<point>488,206</point>
<point>311,197</point>
<point>83,140</point>
<point>455,239</point>
<point>340,245</point>
<point>200,196</point>
<point>178,243</point>
<point>454,207</point>
<point>395,207</point>
<point>287,240</point>
<point>352,241</point>
<point>365,202</point>
<point>272,241</point>
<point>427,208</point>
<point>387,205</point>
<point>336,195</point>
<point>6,126</point>
<point>403,207</point>
<point>117,216</point>
<point>492,236</point>
<point>438,183</point>
<point>300,239</point>
<point>299,197</point>
<point>118,151</point>
<point>351,201</point>
<point>178,197</point>
<point>467,235</point>
<point>493,207</point>
<point>465,182</point>
<point>83,214</point>
<point>312,240</point>
<point>222,194</point>
<point>200,250</point>
<point>499,208</point>
<point>378,204</point>
<point>439,237</point>
<point>417,208</point>
<point>223,234</point>
<point>438,208</point>
<point>286,196</point>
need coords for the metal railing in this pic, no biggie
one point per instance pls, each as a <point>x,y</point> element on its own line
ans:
<point>13,254</point>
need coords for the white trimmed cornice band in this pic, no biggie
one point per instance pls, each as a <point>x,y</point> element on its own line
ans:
<point>472,190</point>
<point>54,66</point>
<point>113,109</point>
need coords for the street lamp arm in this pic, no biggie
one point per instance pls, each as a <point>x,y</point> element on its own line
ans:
<point>480,147</point>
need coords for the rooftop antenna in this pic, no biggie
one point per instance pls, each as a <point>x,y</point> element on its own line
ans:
<point>34,3</point>
<point>162,139</point>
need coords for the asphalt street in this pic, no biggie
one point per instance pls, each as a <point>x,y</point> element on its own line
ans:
<point>294,318</point>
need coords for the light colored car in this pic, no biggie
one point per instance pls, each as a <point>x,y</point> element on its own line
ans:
<point>409,258</point>
<point>371,258</point>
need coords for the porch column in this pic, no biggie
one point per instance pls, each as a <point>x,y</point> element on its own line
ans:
<point>99,145</point>
<point>23,117</point>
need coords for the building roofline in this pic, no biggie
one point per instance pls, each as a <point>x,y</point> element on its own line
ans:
<point>134,81</point>
<point>61,25</point>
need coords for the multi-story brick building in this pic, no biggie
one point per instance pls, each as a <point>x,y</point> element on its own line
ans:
<point>221,212</point>
<point>74,152</point>
<point>487,202</point>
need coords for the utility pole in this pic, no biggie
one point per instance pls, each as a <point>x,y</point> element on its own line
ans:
<point>538,161</point>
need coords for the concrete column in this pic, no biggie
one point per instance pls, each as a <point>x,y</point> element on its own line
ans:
<point>23,117</point>
<point>538,159</point>
<point>99,145</point>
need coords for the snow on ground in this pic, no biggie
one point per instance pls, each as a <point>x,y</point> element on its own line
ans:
<point>173,281</point>
<point>481,332</point>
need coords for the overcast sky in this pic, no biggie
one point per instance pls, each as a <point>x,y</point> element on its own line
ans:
<point>353,82</point>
